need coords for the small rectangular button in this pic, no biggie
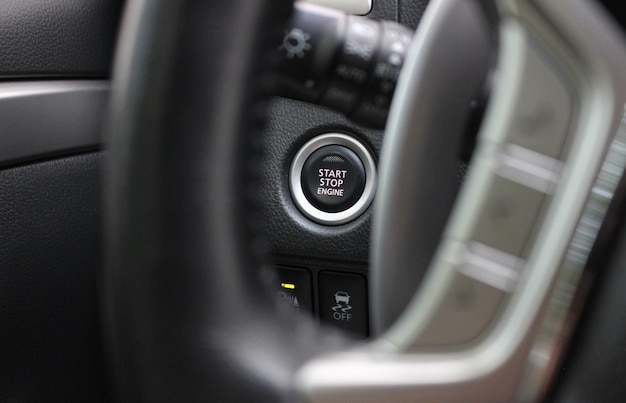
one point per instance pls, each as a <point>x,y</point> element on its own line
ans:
<point>465,312</point>
<point>294,287</point>
<point>543,106</point>
<point>508,216</point>
<point>343,302</point>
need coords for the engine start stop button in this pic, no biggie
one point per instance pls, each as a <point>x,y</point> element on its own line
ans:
<point>333,178</point>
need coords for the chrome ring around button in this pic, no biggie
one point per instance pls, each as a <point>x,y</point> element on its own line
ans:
<point>295,179</point>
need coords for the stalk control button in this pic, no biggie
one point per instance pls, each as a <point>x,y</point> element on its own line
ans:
<point>333,178</point>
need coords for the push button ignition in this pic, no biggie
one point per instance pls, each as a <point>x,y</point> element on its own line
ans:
<point>333,178</point>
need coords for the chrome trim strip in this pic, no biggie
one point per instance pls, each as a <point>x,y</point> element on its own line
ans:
<point>553,327</point>
<point>358,7</point>
<point>41,118</point>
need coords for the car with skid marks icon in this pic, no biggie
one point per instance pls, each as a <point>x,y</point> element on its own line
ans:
<point>342,297</point>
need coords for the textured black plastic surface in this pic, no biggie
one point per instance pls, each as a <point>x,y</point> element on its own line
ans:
<point>57,37</point>
<point>384,10</point>
<point>50,254</point>
<point>291,124</point>
<point>410,12</point>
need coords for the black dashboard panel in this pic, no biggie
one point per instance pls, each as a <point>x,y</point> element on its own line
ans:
<point>410,12</point>
<point>50,254</point>
<point>291,124</point>
<point>59,38</point>
<point>295,240</point>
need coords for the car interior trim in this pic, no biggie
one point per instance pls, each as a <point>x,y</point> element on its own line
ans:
<point>358,7</point>
<point>195,225</point>
<point>73,111</point>
<point>554,327</point>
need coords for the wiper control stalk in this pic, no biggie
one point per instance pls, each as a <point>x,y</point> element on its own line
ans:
<point>345,62</point>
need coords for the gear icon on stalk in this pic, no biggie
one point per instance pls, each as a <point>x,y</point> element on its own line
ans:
<point>296,43</point>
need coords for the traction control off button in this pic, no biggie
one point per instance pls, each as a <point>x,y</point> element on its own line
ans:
<point>333,178</point>
<point>343,302</point>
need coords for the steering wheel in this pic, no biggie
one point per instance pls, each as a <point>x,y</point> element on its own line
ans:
<point>187,315</point>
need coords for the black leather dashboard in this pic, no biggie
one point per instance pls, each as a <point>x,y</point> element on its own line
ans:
<point>60,38</point>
